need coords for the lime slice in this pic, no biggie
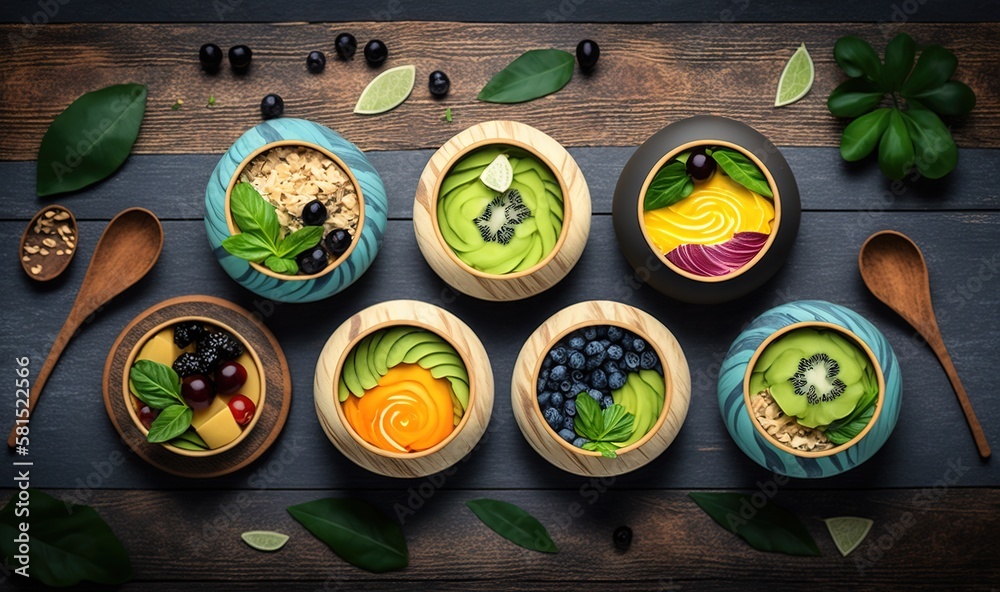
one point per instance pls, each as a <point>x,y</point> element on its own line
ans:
<point>847,532</point>
<point>265,540</point>
<point>498,175</point>
<point>387,91</point>
<point>796,79</point>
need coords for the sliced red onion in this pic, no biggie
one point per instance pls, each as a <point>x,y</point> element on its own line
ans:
<point>720,259</point>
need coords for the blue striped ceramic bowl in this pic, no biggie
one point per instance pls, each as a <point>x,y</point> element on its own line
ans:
<point>764,449</point>
<point>371,224</point>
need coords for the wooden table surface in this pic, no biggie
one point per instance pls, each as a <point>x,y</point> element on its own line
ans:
<point>936,506</point>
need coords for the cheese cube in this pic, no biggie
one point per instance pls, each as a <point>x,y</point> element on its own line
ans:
<point>220,429</point>
<point>219,404</point>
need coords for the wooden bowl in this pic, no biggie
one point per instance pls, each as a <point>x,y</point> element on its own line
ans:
<point>545,441</point>
<point>340,273</point>
<point>272,408</point>
<point>576,213</point>
<point>404,313</point>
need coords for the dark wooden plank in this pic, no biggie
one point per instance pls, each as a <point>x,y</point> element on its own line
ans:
<point>173,186</point>
<point>575,11</point>
<point>649,76</point>
<point>963,251</point>
<point>925,537</point>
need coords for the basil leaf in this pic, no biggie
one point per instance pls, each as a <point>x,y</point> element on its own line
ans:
<point>618,424</point>
<point>589,420</point>
<point>69,543</point>
<point>934,150</point>
<point>90,139</point>
<point>533,74</point>
<point>607,449</point>
<point>170,423</point>
<point>742,170</point>
<point>895,150</point>
<point>934,68</point>
<point>247,246</point>
<point>513,524</point>
<point>951,98</point>
<point>854,97</point>
<point>300,240</point>
<point>770,528</point>
<point>862,135</point>
<point>356,531</point>
<point>155,384</point>
<point>844,429</point>
<point>254,214</point>
<point>670,185</point>
<point>857,58</point>
<point>281,265</point>
<point>898,61</point>
<point>189,440</point>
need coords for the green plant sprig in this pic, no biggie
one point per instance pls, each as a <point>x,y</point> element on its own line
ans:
<point>909,133</point>
<point>602,428</point>
<point>159,386</point>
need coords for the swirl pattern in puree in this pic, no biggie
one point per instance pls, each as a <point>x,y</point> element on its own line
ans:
<point>463,197</point>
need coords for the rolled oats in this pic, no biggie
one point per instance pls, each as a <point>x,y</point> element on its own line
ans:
<point>784,428</point>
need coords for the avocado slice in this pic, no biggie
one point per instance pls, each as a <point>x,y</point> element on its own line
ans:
<point>350,376</point>
<point>365,377</point>
<point>380,352</point>
<point>407,342</point>
<point>425,349</point>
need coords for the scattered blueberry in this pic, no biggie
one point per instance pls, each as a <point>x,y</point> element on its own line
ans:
<point>579,442</point>
<point>345,45</point>
<point>438,83</point>
<point>648,360</point>
<point>598,379</point>
<point>615,352</point>
<point>587,54</point>
<point>312,260</point>
<point>607,401</point>
<point>567,435</point>
<point>622,538</point>
<point>558,373</point>
<point>553,418</point>
<point>615,333</point>
<point>556,400</point>
<point>632,360</point>
<point>577,361</point>
<point>271,106</point>
<point>544,399</point>
<point>590,333</point>
<point>314,213</point>
<point>210,56</point>
<point>616,381</point>
<point>315,62</point>
<point>569,408</point>
<point>375,53</point>
<point>577,343</point>
<point>240,57</point>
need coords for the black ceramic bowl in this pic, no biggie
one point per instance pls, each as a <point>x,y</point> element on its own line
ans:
<point>650,263</point>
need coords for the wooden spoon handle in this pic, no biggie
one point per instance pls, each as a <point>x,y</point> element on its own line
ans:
<point>65,334</point>
<point>937,344</point>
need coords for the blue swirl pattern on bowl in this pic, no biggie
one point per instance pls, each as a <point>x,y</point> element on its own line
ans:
<point>373,197</point>
<point>740,423</point>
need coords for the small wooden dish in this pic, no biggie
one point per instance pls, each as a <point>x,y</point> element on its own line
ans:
<point>49,271</point>
<point>576,213</point>
<point>524,396</point>
<point>272,410</point>
<point>463,437</point>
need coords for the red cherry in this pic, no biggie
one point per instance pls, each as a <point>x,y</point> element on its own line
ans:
<point>197,391</point>
<point>147,416</point>
<point>242,409</point>
<point>229,377</point>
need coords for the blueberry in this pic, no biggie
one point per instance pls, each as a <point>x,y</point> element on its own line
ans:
<point>598,379</point>
<point>565,386</point>
<point>376,52</point>
<point>610,366</point>
<point>567,435</point>
<point>345,45</point>
<point>553,417</point>
<point>314,213</point>
<point>312,260</point>
<point>271,106</point>
<point>544,399</point>
<point>569,408</point>
<point>648,360</point>
<point>622,538</point>
<point>638,345</point>
<point>700,165</point>
<point>569,424</point>
<point>558,355</point>
<point>632,361</point>
<point>577,343</point>
<point>587,54</point>
<point>615,333</point>
<point>576,375</point>
<point>438,83</point>
<point>556,400</point>
<point>541,383</point>
<point>240,57</point>
<point>593,362</point>
<point>627,342</point>
<point>602,331</point>
<point>616,381</point>
<point>590,333</point>
<point>315,62</point>
<point>558,373</point>
<point>547,363</point>
<point>338,241</point>
<point>210,57</point>
<point>595,395</point>
<point>577,361</point>
<point>552,385</point>
<point>578,387</point>
<point>615,352</point>
<point>543,373</point>
<point>579,442</point>
<point>593,348</point>
<point>607,401</point>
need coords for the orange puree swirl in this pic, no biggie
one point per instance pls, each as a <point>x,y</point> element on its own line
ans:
<point>409,410</point>
<point>715,211</point>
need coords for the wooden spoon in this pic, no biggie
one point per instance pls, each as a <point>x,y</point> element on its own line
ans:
<point>127,250</point>
<point>894,270</point>
<point>49,266</point>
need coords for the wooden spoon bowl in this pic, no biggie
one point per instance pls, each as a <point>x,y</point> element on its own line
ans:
<point>57,225</point>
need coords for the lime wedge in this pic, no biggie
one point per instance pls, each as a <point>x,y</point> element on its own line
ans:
<point>265,540</point>
<point>498,175</point>
<point>387,91</point>
<point>796,79</point>
<point>847,532</point>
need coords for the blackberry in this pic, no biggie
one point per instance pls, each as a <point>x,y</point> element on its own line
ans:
<point>607,401</point>
<point>558,373</point>
<point>577,361</point>
<point>648,360</point>
<point>598,379</point>
<point>615,352</point>
<point>567,435</point>
<point>615,333</point>
<point>222,341</point>
<point>187,364</point>
<point>632,360</point>
<point>553,418</point>
<point>209,358</point>
<point>556,400</point>
<point>616,381</point>
<point>577,343</point>
<point>569,424</point>
<point>590,333</point>
<point>569,408</point>
<point>544,399</point>
<point>558,355</point>
<point>187,333</point>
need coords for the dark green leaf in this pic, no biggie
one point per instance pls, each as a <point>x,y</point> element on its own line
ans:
<point>670,185</point>
<point>69,543</point>
<point>300,240</point>
<point>513,524</point>
<point>742,170</point>
<point>589,420</point>
<point>895,150</point>
<point>247,246</point>
<point>254,214</point>
<point>934,68</point>
<point>857,58</point>
<point>898,61</point>
<point>934,150</point>
<point>155,384</point>
<point>854,97</point>
<point>281,265</point>
<point>189,440</point>
<point>170,423</point>
<point>618,423</point>
<point>607,449</point>
<point>768,528</point>
<point>90,139</point>
<point>843,430</point>
<point>951,98</point>
<point>533,74</point>
<point>862,135</point>
<point>356,531</point>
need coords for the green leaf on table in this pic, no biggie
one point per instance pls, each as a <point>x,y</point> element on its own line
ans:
<point>934,68</point>
<point>356,531</point>
<point>742,170</point>
<point>254,214</point>
<point>513,524</point>
<point>769,528</point>
<point>854,97</point>
<point>300,240</point>
<point>281,265</point>
<point>952,98</point>
<point>895,150</point>
<point>670,185</point>
<point>90,139</point>
<point>934,150</point>
<point>899,55</point>
<point>250,247</point>
<point>155,384</point>
<point>861,136</point>
<point>857,58</point>
<point>170,423</point>
<point>69,543</point>
<point>531,75</point>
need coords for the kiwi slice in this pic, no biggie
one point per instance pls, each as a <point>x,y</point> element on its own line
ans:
<point>497,222</point>
<point>816,379</point>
